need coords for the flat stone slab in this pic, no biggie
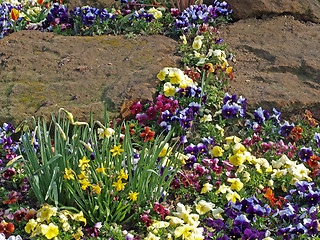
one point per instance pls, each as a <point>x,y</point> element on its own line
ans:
<point>42,72</point>
<point>277,62</point>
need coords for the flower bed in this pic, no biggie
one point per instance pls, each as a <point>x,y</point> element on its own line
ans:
<point>192,164</point>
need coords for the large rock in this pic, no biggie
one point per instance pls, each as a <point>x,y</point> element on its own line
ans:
<point>307,10</point>
<point>277,62</point>
<point>42,72</point>
<point>92,3</point>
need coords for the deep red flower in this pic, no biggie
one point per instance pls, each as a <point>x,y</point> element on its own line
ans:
<point>148,135</point>
<point>6,228</point>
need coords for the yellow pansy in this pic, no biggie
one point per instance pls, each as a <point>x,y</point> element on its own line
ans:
<point>49,231</point>
<point>31,225</point>
<point>207,187</point>
<point>236,184</point>
<point>233,196</point>
<point>169,90</point>
<point>162,74</point>
<point>176,75</point>
<point>217,151</point>
<point>233,139</point>
<point>237,159</point>
<point>184,231</point>
<point>203,207</point>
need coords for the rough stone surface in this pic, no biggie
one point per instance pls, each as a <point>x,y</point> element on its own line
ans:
<point>308,10</point>
<point>277,62</point>
<point>93,3</point>
<point>42,72</point>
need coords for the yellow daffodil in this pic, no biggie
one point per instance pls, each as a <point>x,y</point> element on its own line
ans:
<point>217,151</point>
<point>83,163</point>
<point>116,150</point>
<point>203,207</point>
<point>119,185</point>
<point>164,150</point>
<point>49,231</point>
<point>82,175</point>
<point>236,184</point>
<point>68,174</point>
<point>207,187</point>
<point>123,175</point>
<point>133,196</point>
<point>84,184</point>
<point>101,169</point>
<point>87,146</point>
<point>96,189</point>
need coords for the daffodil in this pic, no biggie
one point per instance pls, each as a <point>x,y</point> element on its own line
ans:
<point>96,189</point>
<point>83,163</point>
<point>68,174</point>
<point>101,169</point>
<point>119,185</point>
<point>84,184</point>
<point>133,196</point>
<point>82,175</point>
<point>116,150</point>
<point>123,175</point>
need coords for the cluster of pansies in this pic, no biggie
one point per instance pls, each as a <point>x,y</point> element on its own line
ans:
<point>129,17</point>
<point>195,15</point>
